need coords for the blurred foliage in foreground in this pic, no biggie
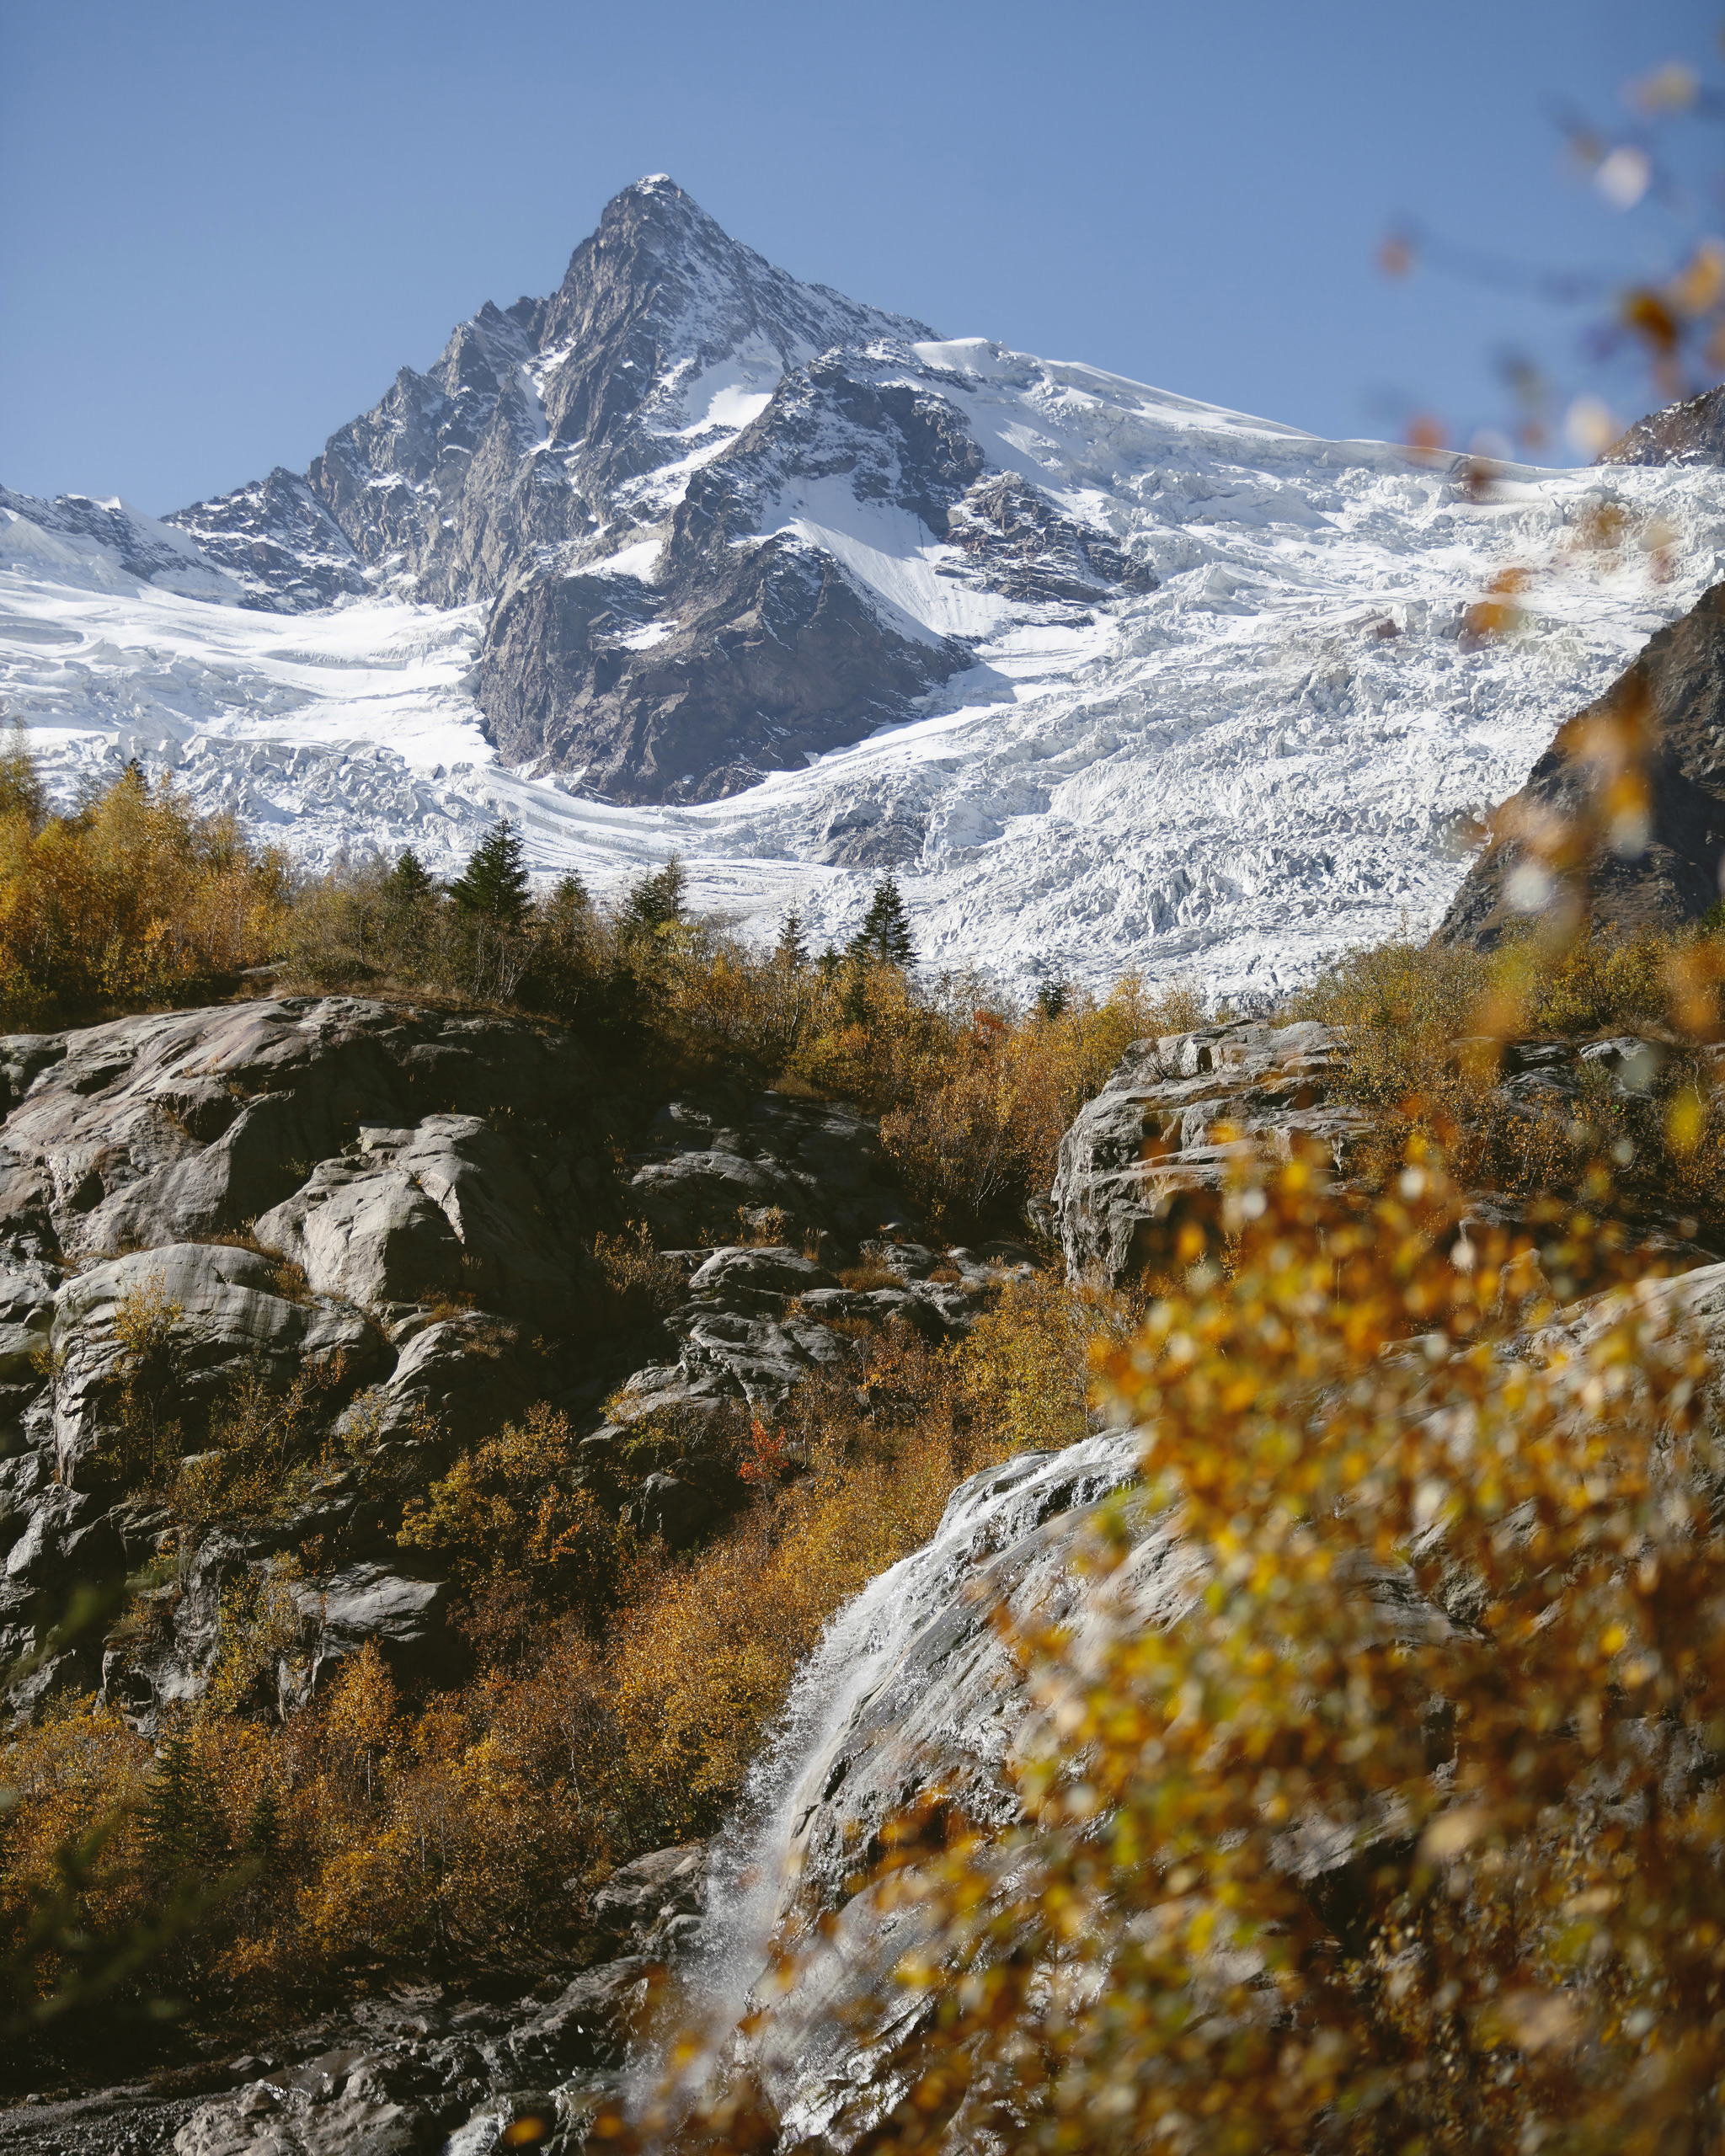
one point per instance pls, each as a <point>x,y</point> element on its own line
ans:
<point>1379,1810</point>
<point>1384,1814</point>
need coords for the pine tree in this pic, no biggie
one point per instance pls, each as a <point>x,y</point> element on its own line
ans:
<point>885,933</point>
<point>263,1828</point>
<point>657,901</point>
<point>180,1820</point>
<point>495,886</point>
<point>1052,998</point>
<point>792,953</point>
<point>409,880</point>
<point>854,1000</point>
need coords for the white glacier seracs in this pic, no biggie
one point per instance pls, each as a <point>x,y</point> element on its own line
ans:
<point>1234,776</point>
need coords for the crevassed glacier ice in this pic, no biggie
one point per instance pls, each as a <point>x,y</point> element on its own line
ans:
<point>1232,776</point>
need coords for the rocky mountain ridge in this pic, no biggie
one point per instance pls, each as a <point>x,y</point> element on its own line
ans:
<point>693,556</point>
<point>605,468</point>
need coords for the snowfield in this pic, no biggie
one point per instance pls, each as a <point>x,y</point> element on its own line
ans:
<point>1232,776</point>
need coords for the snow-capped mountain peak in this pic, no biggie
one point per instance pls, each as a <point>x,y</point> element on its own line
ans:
<point>692,555</point>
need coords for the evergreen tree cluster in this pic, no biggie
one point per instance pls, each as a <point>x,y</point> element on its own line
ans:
<point>883,938</point>
<point>495,885</point>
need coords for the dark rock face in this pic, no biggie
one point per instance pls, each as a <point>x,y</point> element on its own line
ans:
<point>1673,699</point>
<point>1692,432</point>
<point>618,473</point>
<point>402,2072</point>
<point>277,537</point>
<point>780,659</point>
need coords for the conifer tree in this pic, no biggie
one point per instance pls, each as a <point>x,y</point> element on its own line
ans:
<point>656,902</point>
<point>180,1820</point>
<point>409,880</point>
<point>792,953</point>
<point>263,1828</point>
<point>494,886</point>
<point>885,933</point>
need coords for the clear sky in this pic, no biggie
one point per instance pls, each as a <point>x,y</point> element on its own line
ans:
<point>224,227</point>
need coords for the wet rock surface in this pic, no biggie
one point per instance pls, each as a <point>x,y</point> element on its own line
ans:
<point>421,2068</point>
<point>397,1209</point>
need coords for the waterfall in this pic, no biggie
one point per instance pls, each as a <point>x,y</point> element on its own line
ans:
<point>855,1662</point>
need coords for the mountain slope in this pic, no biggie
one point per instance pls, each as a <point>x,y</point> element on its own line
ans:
<point>599,460</point>
<point>1667,867</point>
<point>1108,676</point>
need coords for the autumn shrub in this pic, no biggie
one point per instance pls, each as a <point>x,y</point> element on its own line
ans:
<point>1426,1028</point>
<point>134,899</point>
<point>618,1692</point>
<point>141,1445</point>
<point>645,1284</point>
<point>511,1505</point>
<point>1025,1372</point>
<point>1382,1812</point>
<point>703,1663</point>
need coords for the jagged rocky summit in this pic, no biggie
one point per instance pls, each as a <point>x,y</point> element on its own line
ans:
<point>609,470</point>
<point>1689,432</point>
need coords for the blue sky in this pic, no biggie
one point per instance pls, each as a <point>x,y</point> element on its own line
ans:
<point>223,228</point>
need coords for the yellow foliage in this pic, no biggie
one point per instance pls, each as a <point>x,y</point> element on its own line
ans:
<point>134,898</point>
<point>1415,1764</point>
<point>1023,1371</point>
<point>510,1507</point>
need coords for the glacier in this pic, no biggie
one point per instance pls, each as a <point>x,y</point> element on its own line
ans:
<point>1271,756</point>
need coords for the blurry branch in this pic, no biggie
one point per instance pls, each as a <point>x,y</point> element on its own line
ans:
<point>1671,320</point>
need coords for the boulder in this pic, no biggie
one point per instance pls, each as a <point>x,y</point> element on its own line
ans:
<point>775,1267</point>
<point>446,1208</point>
<point>408,1620</point>
<point>177,1125</point>
<point>640,1896</point>
<point>1160,1139</point>
<point>272,2119</point>
<point>818,1166</point>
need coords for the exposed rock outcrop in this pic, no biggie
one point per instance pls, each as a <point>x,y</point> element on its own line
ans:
<point>1158,1143</point>
<point>1691,432</point>
<point>1649,869</point>
<point>394,1211</point>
